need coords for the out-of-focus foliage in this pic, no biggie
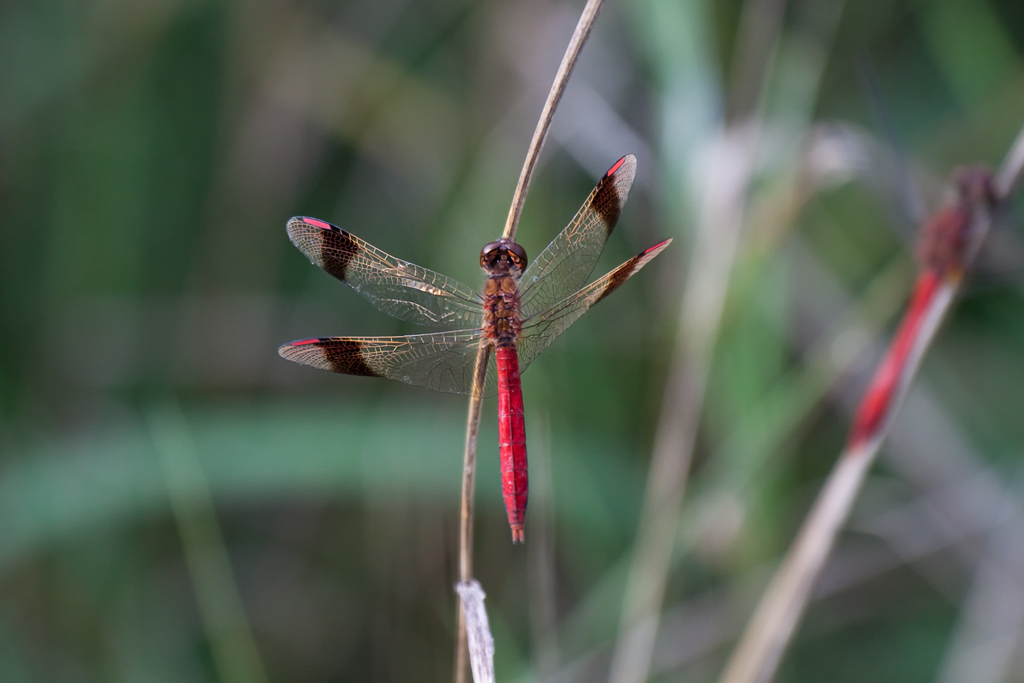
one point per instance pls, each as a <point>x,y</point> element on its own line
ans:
<point>178,503</point>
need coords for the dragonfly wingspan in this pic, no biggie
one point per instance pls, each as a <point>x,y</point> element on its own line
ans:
<point>539,331</point>
<point>566,264</point>
<point>551,296</point>
<point>443,361</point>
<point>397,287</point>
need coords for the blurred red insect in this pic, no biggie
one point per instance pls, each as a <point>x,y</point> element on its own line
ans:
<point>946,246</point>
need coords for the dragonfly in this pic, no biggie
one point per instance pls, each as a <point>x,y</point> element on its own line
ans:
<point>522,309</point>
<point>948,242</point>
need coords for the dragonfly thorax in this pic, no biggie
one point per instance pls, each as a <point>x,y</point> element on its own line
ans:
<point>503,257</point>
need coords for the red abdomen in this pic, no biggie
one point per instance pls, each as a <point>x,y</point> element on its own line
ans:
<point>512,438</point>
<point>877,401</point>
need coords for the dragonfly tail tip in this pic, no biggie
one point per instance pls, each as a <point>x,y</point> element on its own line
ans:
<point>518,535</point>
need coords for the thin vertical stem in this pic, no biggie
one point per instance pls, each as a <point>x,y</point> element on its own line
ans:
<point>540,134</point>
<point>466,511</point>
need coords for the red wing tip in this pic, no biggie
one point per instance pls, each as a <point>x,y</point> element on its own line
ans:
<point>315,222</point>
<point>658,247</point>
<point>618,164</point>
<point>302,342</point>
<point>518,535</point>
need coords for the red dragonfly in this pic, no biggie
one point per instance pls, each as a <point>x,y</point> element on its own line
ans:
<point>948,242</point>
<point>521,311</point>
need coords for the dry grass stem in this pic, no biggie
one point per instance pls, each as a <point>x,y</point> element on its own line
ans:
<point>572,53</point>
<point>466,510</point>
<point>991,626</point>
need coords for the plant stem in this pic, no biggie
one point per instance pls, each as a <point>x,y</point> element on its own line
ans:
<point>540,134</point>
<point>466,510</point>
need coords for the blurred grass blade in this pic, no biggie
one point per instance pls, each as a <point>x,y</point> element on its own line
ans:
<point>768,632</point>
<point>478,631</point>
<point>542,552</point>
<point>235,654</point>
<point>684,395</point>
<point>991,627</point>
<point>730,165</point>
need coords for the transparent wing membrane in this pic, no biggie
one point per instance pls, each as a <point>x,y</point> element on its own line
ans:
<point>443,361</point>
<point>539,331</point>
<point>567,263</point>
<point>397,287</point>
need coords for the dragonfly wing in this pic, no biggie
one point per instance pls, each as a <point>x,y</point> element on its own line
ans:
<point>443,361</point>
<point>566,264</point>
<point>397,287</point>
<point>538,332</point>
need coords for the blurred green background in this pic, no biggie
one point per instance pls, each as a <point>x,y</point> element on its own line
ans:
<point>177,503</point>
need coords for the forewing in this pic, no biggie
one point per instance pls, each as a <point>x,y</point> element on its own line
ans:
<point>397,287</point>
<point>443,361</point>
<point>538,332</point>
<point>566,264</point>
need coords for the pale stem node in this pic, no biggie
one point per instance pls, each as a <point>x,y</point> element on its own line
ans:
<point>481,644</point>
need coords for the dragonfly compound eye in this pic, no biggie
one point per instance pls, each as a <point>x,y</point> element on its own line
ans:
<point>492,253</point>
<point>489,254</point>
<point>517,254</point>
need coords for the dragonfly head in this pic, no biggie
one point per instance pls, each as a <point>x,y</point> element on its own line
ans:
<point>975,185</point>
<point>503,257</point>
